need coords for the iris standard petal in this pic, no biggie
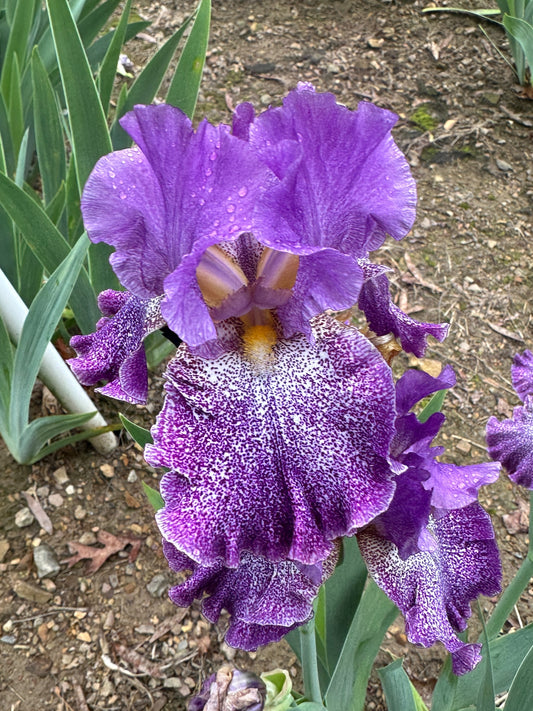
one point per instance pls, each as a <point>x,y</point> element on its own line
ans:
<point>115,351</point>
<point>265,600</point>
<point>434,588</point>
<point>344,183</point>
<point>153,202</point>
<point>277,458</point>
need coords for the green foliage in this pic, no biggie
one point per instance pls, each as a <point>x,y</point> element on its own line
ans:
<point>401,695</point>
<point>19,368</point>
<point>517,21</point>
<point>58,65</point>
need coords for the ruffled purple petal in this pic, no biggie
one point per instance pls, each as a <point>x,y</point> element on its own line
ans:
<point>243,117</point>
<point>344,182</point>
<point>511,443</point>
<point>433,588</point>
<point>415,385</point>
<point>522,374</point>
<point>384,316</point>
<point>455,486</point>
<point>265,600</point>
<point>277,459</point>
<point>325,280</point>
<point>153,202</point>
<point>115,351</point>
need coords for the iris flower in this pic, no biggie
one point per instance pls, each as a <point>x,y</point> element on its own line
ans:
<point>433,551</point>
<point>281,429</point>
<point>511,441</point>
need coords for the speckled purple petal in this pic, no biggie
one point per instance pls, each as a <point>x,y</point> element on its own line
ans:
<point>384,316</point>
<point>522,374</point>
<point>115,351</point>
<point>511,443</point>
<point>344,182</point>
<point>154,201</point>
<point>434,588</point>
<point>265,600</point>
<point>277,459</point>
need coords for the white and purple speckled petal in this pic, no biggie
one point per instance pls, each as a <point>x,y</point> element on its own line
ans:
<point>344,182</point>
<point>154,201</point>
<point>265,600</point>
<point>385,317</point>
<point>278,459</point>
<point>522,374</point>
<point>115,351</point>
<point>433,588</point>
<point>511,443</point>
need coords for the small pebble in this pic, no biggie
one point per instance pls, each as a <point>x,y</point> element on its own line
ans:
<point>132,477</point>
<point>46,561</point>
<point>24,518</point>
<point>56,500</point>
<point>88,538</point>
<point>108,471</point>
<point>7,626</point>
<point>158,585</point>
<point>80,513</point>
<point>61,476</point>
<point>8,639</point>
<point>503,165</point>
<point>70,490</point>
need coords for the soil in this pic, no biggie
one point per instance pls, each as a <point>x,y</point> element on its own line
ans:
<point>103,640</point>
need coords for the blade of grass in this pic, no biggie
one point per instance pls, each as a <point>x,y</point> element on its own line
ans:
<point>17,45</point>
<point>183,90</point>
<point>90,137</point>
<point>49,246</point>
<point>88,126</point>
<point>48,131</point>
<point>146,85</point>
<point>108,68</point>
<point>37,331</point>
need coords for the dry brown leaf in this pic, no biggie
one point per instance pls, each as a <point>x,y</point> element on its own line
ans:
<point>39,513</point>
<point>98,556</point>
<point>138,663</point>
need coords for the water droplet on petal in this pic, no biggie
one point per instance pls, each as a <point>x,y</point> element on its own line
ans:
<point>122,196</point>
<point>243,191</point>
<point>208,172</point>
<point>111,173</point>
<point>213,156</point>
<point>230,208</point>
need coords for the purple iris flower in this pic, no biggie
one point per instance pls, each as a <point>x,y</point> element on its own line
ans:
<point>433,550</point>
<point>511,441</point>
<point>279,428</point>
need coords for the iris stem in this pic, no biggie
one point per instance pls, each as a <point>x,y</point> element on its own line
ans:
<point>310,662</point>
<point>515,588</point>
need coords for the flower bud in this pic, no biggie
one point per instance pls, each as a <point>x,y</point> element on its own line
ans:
<point>230,690</point>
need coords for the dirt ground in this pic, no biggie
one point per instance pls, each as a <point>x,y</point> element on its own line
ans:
<point>104,641</point>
